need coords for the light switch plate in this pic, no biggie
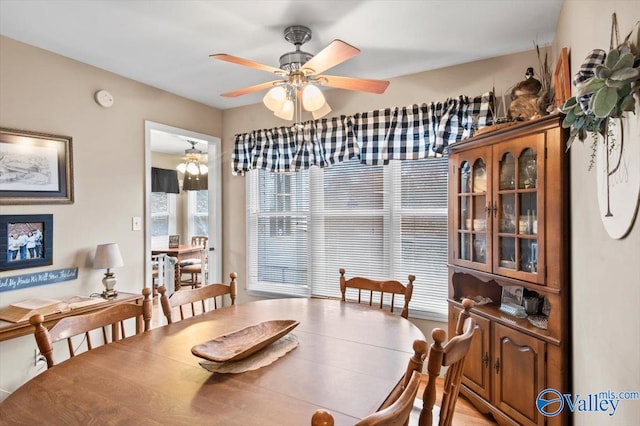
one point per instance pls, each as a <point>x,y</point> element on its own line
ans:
<point>136,223</point>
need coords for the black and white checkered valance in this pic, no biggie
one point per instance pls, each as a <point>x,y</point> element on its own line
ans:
<point>375,137</point>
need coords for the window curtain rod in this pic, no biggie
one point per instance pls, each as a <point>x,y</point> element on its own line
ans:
<point>375,137</point>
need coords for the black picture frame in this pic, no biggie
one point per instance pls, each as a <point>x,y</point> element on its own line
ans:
<point>512,295</point>
<point>21,224</point>
<point>35,168</point>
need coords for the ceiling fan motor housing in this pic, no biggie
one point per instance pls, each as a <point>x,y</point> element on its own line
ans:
<point>293,61</point>
<point>297,35</point>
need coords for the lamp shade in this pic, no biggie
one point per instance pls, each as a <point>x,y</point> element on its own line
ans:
<point>107,256</point>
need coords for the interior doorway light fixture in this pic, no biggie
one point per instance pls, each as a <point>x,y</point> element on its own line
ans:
<point>191,165</point>
<point>287,99</point>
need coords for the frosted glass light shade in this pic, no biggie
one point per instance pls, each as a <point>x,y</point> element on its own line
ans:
<point>275,98</point>
<point>286,112</point>
<point>203,169</point>
<point>193,168</point>
<point>322,111</point>
<point>182,167</point>
<point>312,98</point>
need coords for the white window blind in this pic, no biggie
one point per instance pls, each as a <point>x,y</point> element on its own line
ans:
<point>198,212</point>
<point>163,214</point>
<point>277,237</point>
<point>383,222</point>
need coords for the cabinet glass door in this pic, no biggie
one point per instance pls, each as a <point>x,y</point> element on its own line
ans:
<point>471,227</point>
<point>517,211</point>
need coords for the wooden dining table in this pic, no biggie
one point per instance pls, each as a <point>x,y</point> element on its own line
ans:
<point>348,359</point>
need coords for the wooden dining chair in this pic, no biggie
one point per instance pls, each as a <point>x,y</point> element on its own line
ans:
<point>452,356</point>
<point>112,318</point>
<point>389,286</point>
<point>194,302</point>
<point>193,267</point>
<point>396,414</point>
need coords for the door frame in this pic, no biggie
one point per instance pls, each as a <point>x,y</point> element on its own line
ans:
<point>215,197</point>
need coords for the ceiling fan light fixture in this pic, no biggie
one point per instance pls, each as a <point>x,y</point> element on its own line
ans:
<point>287,110</point>
<point>312,98</point>
<point>302,74</point>
<point>322,111</point>
<point>275,98</point>
<point>191,164</point>
<point>192,168</point>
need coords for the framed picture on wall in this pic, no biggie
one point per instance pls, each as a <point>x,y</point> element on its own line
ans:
<point>35,168</point>
<point>562,79</point>
<point>26,241</point>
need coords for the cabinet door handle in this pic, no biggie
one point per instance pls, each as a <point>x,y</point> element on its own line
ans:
<point>497,366</point>
<point>485,359</point>
<point>495,208</point>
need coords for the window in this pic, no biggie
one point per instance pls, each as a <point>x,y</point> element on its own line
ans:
<point>163,214</point>
<point>378,221</point>
<point>198,212</point>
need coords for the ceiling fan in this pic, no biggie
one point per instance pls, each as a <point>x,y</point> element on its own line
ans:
<point>300,75</point>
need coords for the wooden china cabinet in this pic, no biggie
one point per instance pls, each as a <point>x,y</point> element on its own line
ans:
<point>509,227</point>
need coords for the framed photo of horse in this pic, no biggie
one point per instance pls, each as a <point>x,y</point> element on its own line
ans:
<point>35,168</point>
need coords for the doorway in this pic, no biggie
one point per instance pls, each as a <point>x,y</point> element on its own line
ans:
<point>157,134</point>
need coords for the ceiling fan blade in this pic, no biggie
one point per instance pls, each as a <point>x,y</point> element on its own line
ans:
<point>250,89</point>
<point>246,63</point>
<point>360,84</point>
<point>335,53</point>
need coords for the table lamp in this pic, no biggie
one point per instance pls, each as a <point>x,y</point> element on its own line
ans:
<point>108,256</point>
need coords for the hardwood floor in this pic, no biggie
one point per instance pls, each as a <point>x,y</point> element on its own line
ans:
<point>466,414</point>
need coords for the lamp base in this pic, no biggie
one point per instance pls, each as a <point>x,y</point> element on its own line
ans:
<point>109,294</point>
<point>109,281</point>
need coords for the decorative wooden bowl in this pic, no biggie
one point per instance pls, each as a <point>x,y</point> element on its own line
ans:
<point>242,343</point>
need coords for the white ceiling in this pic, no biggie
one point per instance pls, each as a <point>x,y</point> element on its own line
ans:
<point>166,44</point>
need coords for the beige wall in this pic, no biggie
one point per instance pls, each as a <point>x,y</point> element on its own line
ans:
<point>44,92</point>
<point>605,272</point>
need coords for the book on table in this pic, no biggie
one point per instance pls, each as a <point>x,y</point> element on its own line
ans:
<point>23,310</point>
